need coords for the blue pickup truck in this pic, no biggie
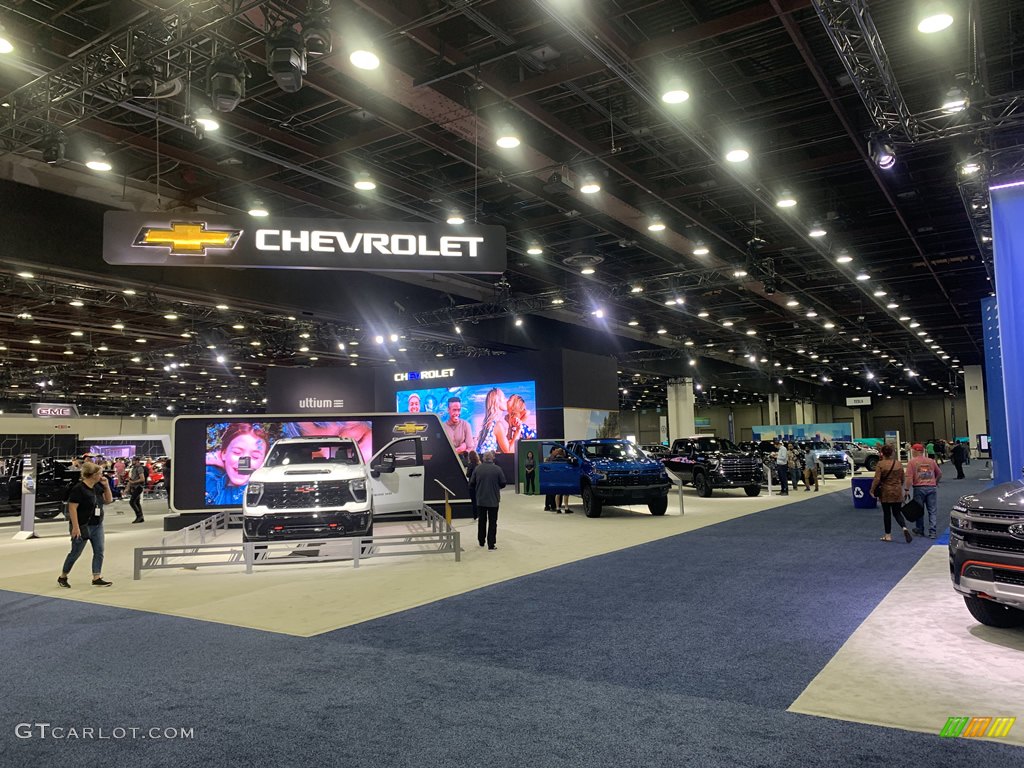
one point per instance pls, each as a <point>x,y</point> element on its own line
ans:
<point>606,471</point>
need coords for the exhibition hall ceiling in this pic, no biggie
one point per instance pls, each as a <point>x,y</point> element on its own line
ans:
<point>791,193</point>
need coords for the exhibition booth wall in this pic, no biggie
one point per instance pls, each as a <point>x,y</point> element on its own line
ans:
<point>540,383</point>
<point>916,418</point>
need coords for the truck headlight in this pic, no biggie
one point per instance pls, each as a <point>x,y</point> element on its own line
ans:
<point>358,485</point>
<point>601,475</point>
<point>960,522</point>
<point>253,492</point>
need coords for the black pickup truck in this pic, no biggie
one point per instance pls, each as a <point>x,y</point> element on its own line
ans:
<point>986,554</point>
<point>53,478</point>
<point>709,462</point>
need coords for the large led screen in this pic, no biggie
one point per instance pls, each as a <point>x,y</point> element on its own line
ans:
<point>208,449</point>
<point>480,417</point>
<point>228,442</point>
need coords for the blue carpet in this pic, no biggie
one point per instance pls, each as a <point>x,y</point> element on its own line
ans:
<point>684,651</point>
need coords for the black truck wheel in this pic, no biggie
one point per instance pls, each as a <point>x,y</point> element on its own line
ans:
<point>840,475</point>
<point>702,484</point>
<point>658,506</point>
<point>591,504</point>
<point>871,463</point>
<point>993,614</point>
<point>752,490</point>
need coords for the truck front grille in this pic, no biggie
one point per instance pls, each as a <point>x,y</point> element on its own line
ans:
<point>994,542</point>
<point>626,479</point>
<point>740,467</point>
<point>303,495</point>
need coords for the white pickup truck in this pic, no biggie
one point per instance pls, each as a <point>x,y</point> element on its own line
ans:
<point>320,487</point>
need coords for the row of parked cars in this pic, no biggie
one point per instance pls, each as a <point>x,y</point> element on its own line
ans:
<point>708,462</point>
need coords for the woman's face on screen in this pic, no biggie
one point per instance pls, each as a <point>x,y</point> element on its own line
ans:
<point>243,445</point>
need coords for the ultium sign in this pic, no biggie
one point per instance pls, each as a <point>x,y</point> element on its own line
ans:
<point>442,373</point>
<point>316,402</point>
<point>228,241</point>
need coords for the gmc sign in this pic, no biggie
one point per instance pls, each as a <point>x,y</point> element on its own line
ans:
<point>54,411</point>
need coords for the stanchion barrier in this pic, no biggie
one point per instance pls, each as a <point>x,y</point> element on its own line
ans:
<point>448,493</point>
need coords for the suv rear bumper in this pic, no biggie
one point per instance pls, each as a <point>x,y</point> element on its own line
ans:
<point>306,525</point>
<point>982,572</point>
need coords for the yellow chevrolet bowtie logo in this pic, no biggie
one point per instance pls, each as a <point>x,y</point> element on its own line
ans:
<point>409,428</point>
<point>188,238</point>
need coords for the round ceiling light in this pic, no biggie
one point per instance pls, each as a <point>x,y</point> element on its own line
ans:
<point>364,59</point>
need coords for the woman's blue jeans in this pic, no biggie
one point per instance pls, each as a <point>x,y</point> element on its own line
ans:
<point>94,535</point>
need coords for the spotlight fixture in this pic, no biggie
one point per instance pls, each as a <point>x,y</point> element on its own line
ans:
<point>6,46</point>
<point>225,81</point>
<point>863,276</point>
<point>633,323</point>
<point>737,155</point>
<point>365,183</point>
<point>955,100</point>
<point>817,230</point>
<point>656,225</point>
<point>935,19</point>
<point>286,60</point>
<point>637,288</point>
<point>519,322</point>
<point>54,147</point>
<point>455,218</point>
<point>785,200</point>
<point>844,258</point>
<point>792,303</point>
<point>739,273</point>
<point>674,92</point>
<point>508,137</point>
<point>701,250</point>
<point>316,29</point>
<point>98,162</point>
<point>204,119</point>
<point>590,185</point>
<point>534,249</point>
<point>882,152</point>
<point>364,59</point>
<point>258,211</point>
<point>587,271</point>
<point>970,166</point>
<point>141,81</point>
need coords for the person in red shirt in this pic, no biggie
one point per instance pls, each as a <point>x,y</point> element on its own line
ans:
<point>922,479</point>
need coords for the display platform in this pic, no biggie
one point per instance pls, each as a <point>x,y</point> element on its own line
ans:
<point>313,599</point>
<point>919,659</point>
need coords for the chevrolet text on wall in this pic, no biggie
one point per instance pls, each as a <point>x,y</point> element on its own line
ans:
<point>232,241</point>
<point>440,373</point>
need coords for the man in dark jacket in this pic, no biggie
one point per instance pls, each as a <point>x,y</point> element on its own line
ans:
<point>959,449</point>
<point>487,482</point>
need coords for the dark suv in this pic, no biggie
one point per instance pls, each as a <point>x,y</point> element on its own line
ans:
<point>53,478</point>
<point>986,554</point>
<point>710,462</point>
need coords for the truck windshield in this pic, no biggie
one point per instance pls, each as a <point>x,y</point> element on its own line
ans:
<point>716,444</point>
<point>617,451</point>
<point>313,453</point>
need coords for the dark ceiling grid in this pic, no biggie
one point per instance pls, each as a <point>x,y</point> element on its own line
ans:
<point>605,239</point>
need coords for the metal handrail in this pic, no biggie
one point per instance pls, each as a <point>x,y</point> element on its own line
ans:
<point>442,538</point>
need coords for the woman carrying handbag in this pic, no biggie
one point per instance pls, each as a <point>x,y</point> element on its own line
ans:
<point>887,487</point>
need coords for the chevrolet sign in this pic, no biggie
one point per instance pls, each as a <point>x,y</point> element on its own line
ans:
<point>54,411</point>
<point>442,373</point>
<point>231,241</point>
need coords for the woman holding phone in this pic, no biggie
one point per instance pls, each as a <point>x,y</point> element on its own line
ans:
<point>85,514</point>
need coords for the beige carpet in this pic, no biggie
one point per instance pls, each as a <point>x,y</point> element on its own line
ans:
<point>920,658</point>
<point>310,599</point>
